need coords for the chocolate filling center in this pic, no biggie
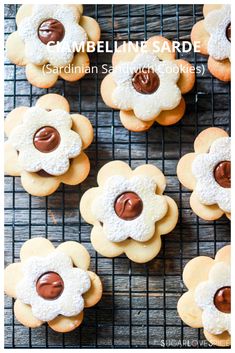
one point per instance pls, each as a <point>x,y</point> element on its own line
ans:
<point>50,286</point>
<point>128,206</point>
<point>222,299</point>
<point>222,174</point>
<point>51,30</point>
<point>228,32</point>
<point>46,139</point>
<point>145,81</point>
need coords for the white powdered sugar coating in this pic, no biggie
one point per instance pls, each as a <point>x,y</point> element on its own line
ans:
<point>55,162</point>
<point>76,283</point>
<point>60,54</point>
<point>146,106</point>
<point>208,191</point>
<point>216,22</point>
<point>213,320</point>
<point>141,228</point>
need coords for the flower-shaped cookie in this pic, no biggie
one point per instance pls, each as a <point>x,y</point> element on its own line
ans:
<point>214,36</point>
<point>51,42</point>
<point>128,211</point>
<point>207,172</point>
<point>207,303</point>
<point>52,285</point>
<point>45,145</point>
<point>147,84</point>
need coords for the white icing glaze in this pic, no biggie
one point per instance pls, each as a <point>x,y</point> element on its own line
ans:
<point>216,22</point>
<point>207,189</point>
<point>37,52</point>
<point>146,106</point>
<point>141,228</point>
<point>214,321</point>
<point>76,283</point>
<point>55,162</point>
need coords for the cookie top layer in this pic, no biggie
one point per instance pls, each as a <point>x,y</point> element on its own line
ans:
<point>51,33</point>
<point>212,171</point>
<point>218,24</point>
<point>214,299</point>
<point>52,286</point>
<point>146,85</point>
<point>45,141</point>
<point>129,208</point>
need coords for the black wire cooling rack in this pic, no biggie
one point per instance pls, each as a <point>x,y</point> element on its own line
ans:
<point>138,308</point>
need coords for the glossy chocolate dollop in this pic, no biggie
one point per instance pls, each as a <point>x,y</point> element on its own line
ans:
<point>128,206</point>
<point>145,81</point>
<point>222,174</point>
<point>51,30</point>
<point>50,286</point>
<point>46,139</point>
<point>222,299</point>
<point>228,32</point>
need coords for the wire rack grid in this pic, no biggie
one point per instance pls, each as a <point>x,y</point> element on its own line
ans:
<point>138,308</point>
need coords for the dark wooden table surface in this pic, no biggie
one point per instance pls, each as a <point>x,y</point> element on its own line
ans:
<point>138,308</point>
